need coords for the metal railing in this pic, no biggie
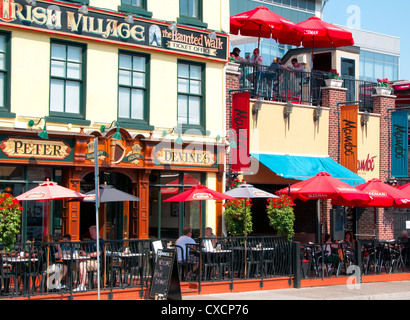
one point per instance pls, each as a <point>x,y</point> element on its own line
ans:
<point>66,268</point>
<point>283,85</point>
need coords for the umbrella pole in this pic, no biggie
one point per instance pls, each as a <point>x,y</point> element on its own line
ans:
<point>245,238</point>
<point>97,205</point>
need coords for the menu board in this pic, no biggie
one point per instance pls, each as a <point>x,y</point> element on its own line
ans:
<point>165,280</point>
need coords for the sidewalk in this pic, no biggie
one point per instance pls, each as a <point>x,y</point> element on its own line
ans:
<point>395,290</point>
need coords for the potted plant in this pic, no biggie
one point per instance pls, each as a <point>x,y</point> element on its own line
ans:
<point>10,221</point>
<point>334,79</point>
<point>383,86</point>
<point>281,216</point>
<point>235,211</point>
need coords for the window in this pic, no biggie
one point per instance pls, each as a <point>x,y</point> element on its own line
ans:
<point>67,80</point>
<point>190,95</point>
<point>190,12</point>
<point>5,75</point>
<point>138,7</point>
<point>133,89</point>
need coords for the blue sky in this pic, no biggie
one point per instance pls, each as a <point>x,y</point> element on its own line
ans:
<point>387,17</point>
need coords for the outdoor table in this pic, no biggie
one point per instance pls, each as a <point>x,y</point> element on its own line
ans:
<point>216,262</point>
<point>69,260</point>
<point>18,266</point>
<point>127,258</point>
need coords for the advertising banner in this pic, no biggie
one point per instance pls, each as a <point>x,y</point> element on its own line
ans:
<point>348,137</point>
<point>399,143</point>
<point>240,158</point>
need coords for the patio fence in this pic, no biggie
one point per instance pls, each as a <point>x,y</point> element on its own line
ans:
<point>283,85</point>
<point>34,269</point>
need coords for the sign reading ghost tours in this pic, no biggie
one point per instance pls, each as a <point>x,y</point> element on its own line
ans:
<point>65,19</point>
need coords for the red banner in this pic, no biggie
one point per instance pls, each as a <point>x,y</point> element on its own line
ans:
<point>348,137</point>
<point>240,160</point>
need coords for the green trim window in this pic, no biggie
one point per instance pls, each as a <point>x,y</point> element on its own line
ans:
<point>133,89</point>
<point>190,12</point>
<point>5,75</point>
<point>191,94</point>
<point>138,7</point>
<point>67,80</point>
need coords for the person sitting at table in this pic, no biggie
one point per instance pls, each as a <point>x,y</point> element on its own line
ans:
<point>235,55</point>
<point>183,241</point>
<point>53,269</point>
<point>212,240</point>
<point>92,264</point>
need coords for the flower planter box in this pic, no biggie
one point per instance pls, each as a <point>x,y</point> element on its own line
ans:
<point>383,90</point>
<point>334,83</point>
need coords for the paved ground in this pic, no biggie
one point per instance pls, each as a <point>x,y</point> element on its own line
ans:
<point>395,290</point>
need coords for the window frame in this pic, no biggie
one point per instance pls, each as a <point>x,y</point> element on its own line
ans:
<point>65,117</point>
<point>202,112</point>
<point>5,111</point>
<point>138,10</point>
<point>188,20</point>
<point>136,123</point>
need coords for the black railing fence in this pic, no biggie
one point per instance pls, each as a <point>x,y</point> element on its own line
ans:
<point>48,268</point>
<point>299,87</point>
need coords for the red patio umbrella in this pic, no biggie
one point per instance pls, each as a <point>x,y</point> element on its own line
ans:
<point>48,191</point>
<point>382,196</point>
<point>324,186</point>
<point>261,22</point>
<point>321,34</point>
<point>199,193</point>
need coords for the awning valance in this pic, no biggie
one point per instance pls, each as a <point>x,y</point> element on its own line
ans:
<point>304,167</point>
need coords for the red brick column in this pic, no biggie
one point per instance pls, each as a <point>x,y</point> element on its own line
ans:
<point>385,217</point>
<point>330,97</point>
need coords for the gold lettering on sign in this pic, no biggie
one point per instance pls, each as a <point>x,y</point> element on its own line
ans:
<point>186,157</point>
<point>39,149</point>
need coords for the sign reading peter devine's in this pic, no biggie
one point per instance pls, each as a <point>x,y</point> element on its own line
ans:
<point>65,19</point>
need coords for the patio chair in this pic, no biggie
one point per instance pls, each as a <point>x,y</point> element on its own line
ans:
<point>6,273</point>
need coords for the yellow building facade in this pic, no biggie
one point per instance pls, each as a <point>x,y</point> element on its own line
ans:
<point>151,70</point>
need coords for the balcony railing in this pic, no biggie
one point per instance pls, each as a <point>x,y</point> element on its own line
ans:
<point>283,85</point>
<point>62,268</point>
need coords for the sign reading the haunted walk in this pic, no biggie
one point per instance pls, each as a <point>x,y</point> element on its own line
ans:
<point>65,19</point>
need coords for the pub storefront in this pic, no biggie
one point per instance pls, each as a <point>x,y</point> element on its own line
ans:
<point>152,170</point>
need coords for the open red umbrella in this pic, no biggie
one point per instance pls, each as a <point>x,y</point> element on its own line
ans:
<point>324,186</point>
<point>321,34</point>
<point>261,22</point>
<point>48,191</point>
<point>199,193</point>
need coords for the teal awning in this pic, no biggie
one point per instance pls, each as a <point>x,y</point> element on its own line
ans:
<point>305,167</point>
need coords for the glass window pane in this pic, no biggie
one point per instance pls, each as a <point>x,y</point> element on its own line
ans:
<point>2,44</point>
<point>183,70</point>
<point>2,76</point>
<point>125,78</point>
<point>183,86</point>
<point>193,8</point>
<point>124,103</point>
<point>183,7</point>
<point>195,72</point>
<point>58,51</point>
<point>74,54</point>
<point>125,62</point>
<point>194,110</point>
<point>58,68</point>
<point>57,95</point>
<point>195,87</point>
<point>182,109</point>
<point>138,79</point>
<point>137,104</point>
<point>73,71</point>
<point>138,64</point>
<point>2,61</point>
<point>72,97</point>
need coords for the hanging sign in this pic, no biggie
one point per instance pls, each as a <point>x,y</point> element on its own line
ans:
<point>399,143</point>
<point>65,19</point>
<point>348,137</point>
<point>240,158</point>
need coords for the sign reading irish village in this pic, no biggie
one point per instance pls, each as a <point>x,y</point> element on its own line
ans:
<point>65,19</point>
